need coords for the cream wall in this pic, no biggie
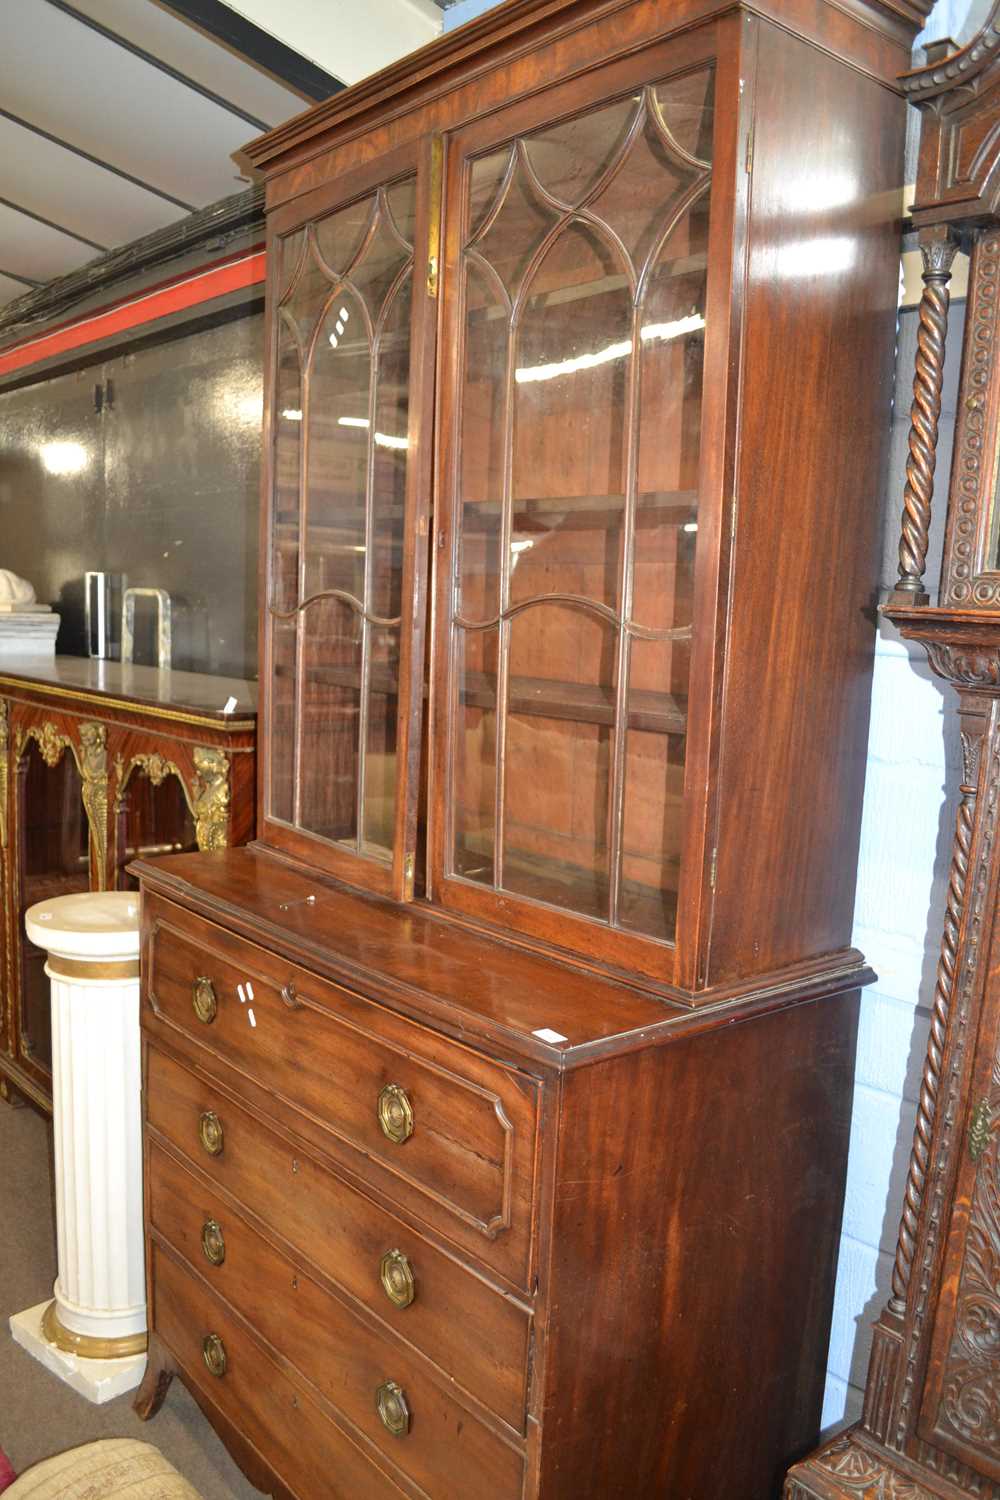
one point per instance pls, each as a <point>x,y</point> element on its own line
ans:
<point>348,40</point>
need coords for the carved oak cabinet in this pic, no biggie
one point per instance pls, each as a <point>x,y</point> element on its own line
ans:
<point>930,1428</point>
<point>100,762</point>
<point>497,1098</point>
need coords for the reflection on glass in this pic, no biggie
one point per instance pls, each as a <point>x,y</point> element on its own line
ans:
<point>55,861</point>
<point>585,272</point>
<point>558,745</point>
<point>152,820</point>
<point>335,639</point>
<point>474,808</point>
<point>483,445</point>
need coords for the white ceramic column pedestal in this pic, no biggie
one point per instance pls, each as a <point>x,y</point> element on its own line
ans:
<point>93,1335</point>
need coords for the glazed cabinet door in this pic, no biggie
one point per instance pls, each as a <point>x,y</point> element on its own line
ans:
<point>584,270</point>
<point>351,378</point>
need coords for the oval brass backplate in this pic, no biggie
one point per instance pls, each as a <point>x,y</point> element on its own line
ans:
<point>395,1113</point>
<point>214,1354</point>
<point>396,1276</point>
<point>210,1132</point>
<point>213,1242</point>
<point>394,1413</point>
<point>206,1006</point>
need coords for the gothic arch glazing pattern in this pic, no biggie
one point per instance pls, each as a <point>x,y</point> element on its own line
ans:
<point>584,265</point>
<point>340,463</point>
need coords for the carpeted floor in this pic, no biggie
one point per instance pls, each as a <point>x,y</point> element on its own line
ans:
<point>38,1414</point>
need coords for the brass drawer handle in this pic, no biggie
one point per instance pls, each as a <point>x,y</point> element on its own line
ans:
<point>213,1242</point>
<point>214,1354</point>
<point>203,998</point>
<point>394,1413</point>
<point>290,997</point>
<point>396,1276</point>
<point>395,1113</point>
<point>210,1132</point>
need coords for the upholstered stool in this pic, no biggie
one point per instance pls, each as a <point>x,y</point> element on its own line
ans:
<point>103,1471</point>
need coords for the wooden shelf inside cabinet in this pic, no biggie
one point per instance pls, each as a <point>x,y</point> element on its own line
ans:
<point>584,512</point>
<point>537,697</point>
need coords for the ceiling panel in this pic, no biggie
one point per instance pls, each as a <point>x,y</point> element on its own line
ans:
<point>31,249</point>
<point>200,57</point>
<point>38,175</point>
<point>58,73</point>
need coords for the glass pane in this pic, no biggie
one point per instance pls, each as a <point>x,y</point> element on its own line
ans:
<point>560,711</point>
<point>330,716</point>
<point>283,703</point>
<point>672,334</point>
<point>337,477</point>
<point>579,481</point>
<point>380,742</point>
<point>305,302</point>
<point>486,177</point>
<point>654,786</point>
<point>484,404</point>
<point>340,236</point>
<point>287,468</point>
<point>686,106</point>
<point>389,457</point>
<point>517,232</point>
<point>402,201</point>
<point>645,194</point>
<point>571,375</point>
<point>569,159</point>
<point>289,253</point>
<point>384,258</point>
<point>474,807</point>
<point>55,862</point>
<point>152,820</point>
<point>335,693</point>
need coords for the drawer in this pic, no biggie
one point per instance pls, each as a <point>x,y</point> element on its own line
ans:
<point>434,1440</point>
<point>479,1336</point>
<point>314,1458</point>
<point>436,1126</point>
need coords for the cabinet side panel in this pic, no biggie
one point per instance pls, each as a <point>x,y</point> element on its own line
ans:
<point>816,389</point>
<point>697,1206</point>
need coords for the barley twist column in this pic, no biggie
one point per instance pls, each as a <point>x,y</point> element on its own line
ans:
<point>938,250</point>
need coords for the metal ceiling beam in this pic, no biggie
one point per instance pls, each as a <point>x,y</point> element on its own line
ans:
<point>155,62</point>
<point>257,46</point>
<point>29,213</point>
<point>24,280</point>
<point>96,161</point>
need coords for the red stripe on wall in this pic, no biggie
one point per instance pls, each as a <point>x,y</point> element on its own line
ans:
<point>189,291</point>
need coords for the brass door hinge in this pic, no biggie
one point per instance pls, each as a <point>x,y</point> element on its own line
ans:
<point>713,869</point>
<point>748,161</point>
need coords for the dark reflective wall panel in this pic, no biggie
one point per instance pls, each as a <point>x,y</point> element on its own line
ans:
<point>162,484</point>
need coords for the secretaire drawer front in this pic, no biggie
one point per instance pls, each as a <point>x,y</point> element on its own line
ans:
<point>311,1454</point>
<point>477,1335</point>
<point>369,1376</point>
<point>433,1118</point>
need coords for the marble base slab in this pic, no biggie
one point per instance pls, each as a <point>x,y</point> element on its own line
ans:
<point>28,632</point>
<point>98,1380</point>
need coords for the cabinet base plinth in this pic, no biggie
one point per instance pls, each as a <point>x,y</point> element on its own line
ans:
<point>849,1469</point>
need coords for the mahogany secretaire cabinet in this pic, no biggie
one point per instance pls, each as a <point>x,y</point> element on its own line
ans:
<point>497,1098</point>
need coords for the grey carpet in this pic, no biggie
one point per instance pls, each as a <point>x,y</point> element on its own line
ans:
<point>38,1414</point>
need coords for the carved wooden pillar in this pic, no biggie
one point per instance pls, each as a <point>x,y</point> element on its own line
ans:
<point>938,247</point>
<point>917,1440</point>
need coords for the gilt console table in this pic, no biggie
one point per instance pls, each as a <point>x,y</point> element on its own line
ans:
<point>99,762</point>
